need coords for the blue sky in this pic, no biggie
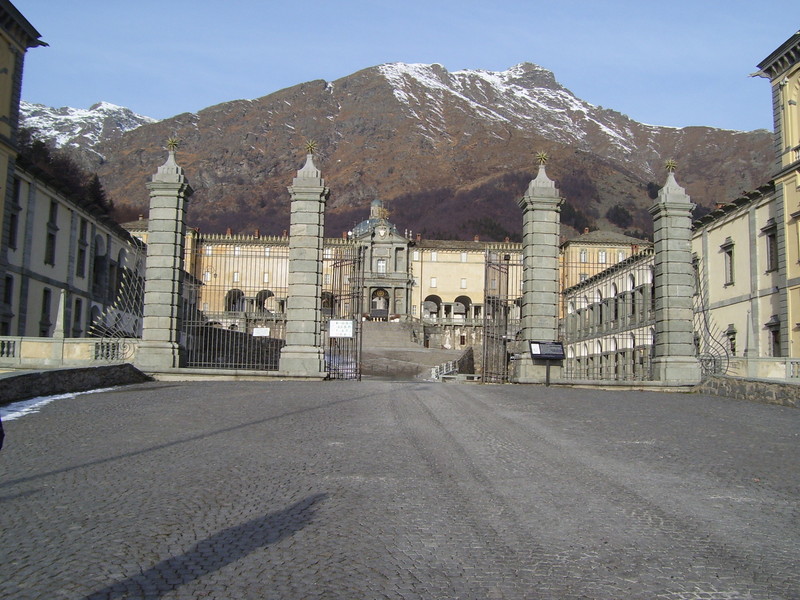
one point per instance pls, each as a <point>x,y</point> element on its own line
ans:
<point>678,63</point>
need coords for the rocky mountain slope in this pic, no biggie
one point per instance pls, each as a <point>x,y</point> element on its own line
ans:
<point>449,152</point>
<point>80,130</point>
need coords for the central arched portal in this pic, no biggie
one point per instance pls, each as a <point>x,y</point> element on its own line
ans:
<point>379,304</point>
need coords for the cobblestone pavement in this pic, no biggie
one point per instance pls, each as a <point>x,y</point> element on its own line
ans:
<point>399,490</point>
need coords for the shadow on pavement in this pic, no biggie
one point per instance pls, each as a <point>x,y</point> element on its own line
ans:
<point>213,553</point>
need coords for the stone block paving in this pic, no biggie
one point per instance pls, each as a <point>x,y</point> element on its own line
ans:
<point>284,490</point>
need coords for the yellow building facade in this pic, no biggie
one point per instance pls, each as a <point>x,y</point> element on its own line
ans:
<point>782,67</point>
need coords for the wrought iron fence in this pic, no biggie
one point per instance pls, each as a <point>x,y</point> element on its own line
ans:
<point>608,319</point>
<point>501,315</point>
<point>342,298</point>
<point>234,301</point>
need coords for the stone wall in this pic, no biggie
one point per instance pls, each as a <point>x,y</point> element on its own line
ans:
<point>16,386</point>
<point>766,392</point>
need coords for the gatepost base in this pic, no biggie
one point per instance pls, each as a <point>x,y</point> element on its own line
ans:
<point>303,361</point>
<point>676,370</point>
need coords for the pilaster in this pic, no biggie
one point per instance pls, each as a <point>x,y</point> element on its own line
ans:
<point>675,361</point>
<point>303,355</point>
<point>541,214</point>
<point>161,325</point>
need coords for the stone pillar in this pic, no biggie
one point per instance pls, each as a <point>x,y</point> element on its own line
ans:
<point>303,355</point>
<point>674,359</point>
<point>161,326</point>
<point>541,208</point>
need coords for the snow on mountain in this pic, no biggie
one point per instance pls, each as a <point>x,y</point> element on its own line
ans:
<point>525,95</point>
<point>79,128</point>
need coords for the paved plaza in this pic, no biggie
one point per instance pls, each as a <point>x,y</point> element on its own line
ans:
<point>288,490</point>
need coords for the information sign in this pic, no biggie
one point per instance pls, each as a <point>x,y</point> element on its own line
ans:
<point>261,331</point>
<point>341,328</point>
<point>547,350</point>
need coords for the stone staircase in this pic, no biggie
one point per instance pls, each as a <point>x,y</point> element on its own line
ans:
<point>388,352</point>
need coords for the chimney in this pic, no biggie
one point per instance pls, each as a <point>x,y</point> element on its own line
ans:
<point>258,233</point>
<point>284,233</point>
<point>506,239</point>
<point>719,205</point>
<point>141,217</point>
<point>344,235</point>
<point>477,238</point>
<point>419,237</point>
<point>585,230</point>
<point>228,232</point>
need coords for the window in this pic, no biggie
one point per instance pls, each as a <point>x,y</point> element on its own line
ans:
<point>327,278</point>
<point>380,266</point>
<point>266,251</point>
<point>209,250</point>
<point>463,283</point>
<point>50,249</point>
<point>83,244</point>
<point>601,257</point>
<point>77,318</point>
<point>207,276</point>
<point>434,256</point>
<point>620,256</point>
<point>584,276</point>
<point>583,256</point>
<point>44,322</point>
<point>433,282</point>
<point>237,250</point>
<point>13,225</point>
<point>463,257</point>
<point>415,255</point>
<point>414,309</point>
<point>8,292</point>
<point>727,250</point>
<point>236,276</point>
<point>772,251</point>
<point>773,326</point>
<point>730,333</point>
<point>266,277</point>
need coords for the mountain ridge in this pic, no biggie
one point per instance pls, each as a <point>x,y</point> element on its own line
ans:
<point>449,151</point>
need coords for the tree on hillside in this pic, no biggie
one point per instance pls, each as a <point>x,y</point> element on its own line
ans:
<point>56,168</point>
<point>619,216</point>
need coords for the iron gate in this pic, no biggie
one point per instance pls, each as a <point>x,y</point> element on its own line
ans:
<point>342,297</point>
<point>234,303</point>
<point>501,315</point>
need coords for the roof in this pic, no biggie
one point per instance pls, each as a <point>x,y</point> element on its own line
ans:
<point>606,237</point>
<point>464,245</point>
<point>26,33</point>
<point>786,54</point>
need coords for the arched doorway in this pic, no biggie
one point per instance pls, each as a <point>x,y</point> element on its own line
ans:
<point>234,300</point>
<point>431,307</point>
<point>379,304</point>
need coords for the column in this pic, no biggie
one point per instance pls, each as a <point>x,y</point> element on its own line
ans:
<point>541,213</point>
<point>674,360</point>
<point>303,354</point>
<point>161,325</point>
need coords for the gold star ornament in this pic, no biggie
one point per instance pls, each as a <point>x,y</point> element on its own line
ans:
<point>542,158</point>
<point>172,144</point>
<point>311,146</point>
<point>671,165</point>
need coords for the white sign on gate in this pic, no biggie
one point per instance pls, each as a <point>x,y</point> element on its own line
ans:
<point>261,331</point>
<point>340,328</point>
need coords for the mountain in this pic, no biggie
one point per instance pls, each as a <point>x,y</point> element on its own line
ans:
<point>448,152</point>
<point>77,129</point>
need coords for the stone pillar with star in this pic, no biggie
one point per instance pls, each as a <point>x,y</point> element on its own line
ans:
<point>169,190</point>
<point>303,354</point>
<point>674,358</point>
<point>541,208</point>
